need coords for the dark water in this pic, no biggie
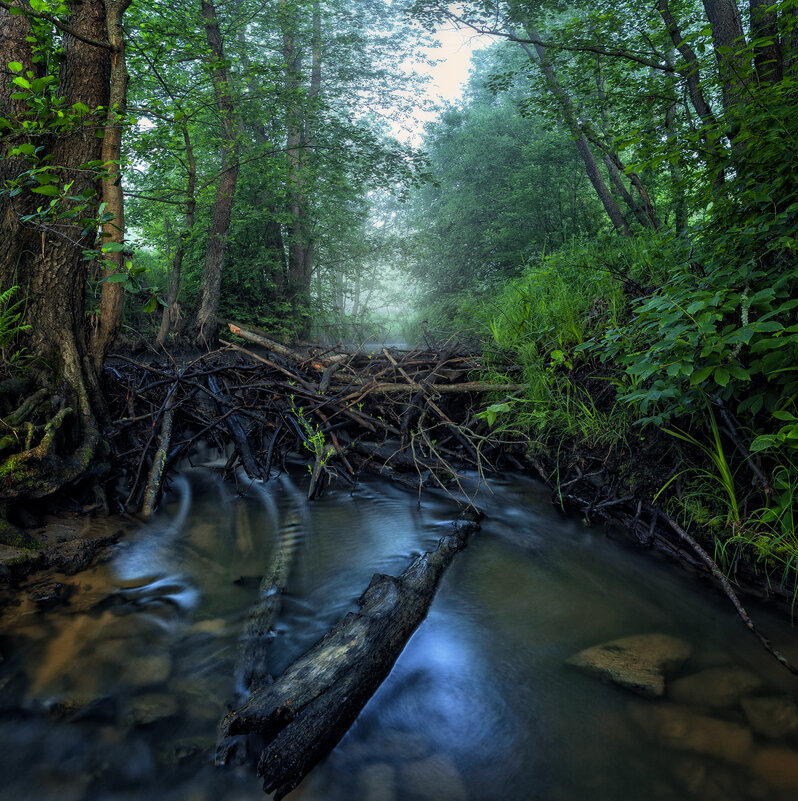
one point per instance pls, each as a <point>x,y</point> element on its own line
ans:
<point>117,694</point>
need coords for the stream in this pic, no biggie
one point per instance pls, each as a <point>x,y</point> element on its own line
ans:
<point>116,693</point>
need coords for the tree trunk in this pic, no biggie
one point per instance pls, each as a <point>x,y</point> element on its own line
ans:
<point>202,328</point>
<point>729,41</point>
<point>113,294</point>
<point>538,53</point>
<point>765,40</point>
<point>49,266</point>
<point>170,313</point>
<point>300,718</point>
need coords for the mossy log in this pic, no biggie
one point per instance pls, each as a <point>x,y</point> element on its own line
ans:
<point>300,718</point>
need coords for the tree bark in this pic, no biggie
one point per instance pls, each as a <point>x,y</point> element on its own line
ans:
<point>202,328</point>
<point>765,39</point>
<point>50,268</point>
<point>113,294</point>
<point>729,40</point>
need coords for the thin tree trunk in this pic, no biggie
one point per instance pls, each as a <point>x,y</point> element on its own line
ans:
<point>272,231</point>
<point>202,329</point>
<point>113,294</point>
<point>538,53</point>
<point>170,313</point>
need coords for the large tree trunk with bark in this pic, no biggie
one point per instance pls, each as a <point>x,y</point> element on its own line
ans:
<point>729,41</point>
<point>61,428</point>
<point>202,327</point>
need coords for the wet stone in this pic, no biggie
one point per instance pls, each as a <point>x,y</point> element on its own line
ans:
<point>433,779</point>
<point>144,710</point>
<point>774,717</point>
<point>191,748</point>
<point>715,687</point>
<point>77,707</point>
<point>681,729</point>
<point>639,663</point>
<point>142,671</point>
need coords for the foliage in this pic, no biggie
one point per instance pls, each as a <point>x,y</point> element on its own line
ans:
<point>11,325</point>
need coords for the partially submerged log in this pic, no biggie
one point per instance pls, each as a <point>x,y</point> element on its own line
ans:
<point>299,719</point>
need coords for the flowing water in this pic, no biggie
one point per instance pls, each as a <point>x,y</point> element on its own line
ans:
<point>116,694</point>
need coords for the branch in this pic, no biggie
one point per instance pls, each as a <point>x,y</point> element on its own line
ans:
<point>62,26</point>
<point>583,48</point>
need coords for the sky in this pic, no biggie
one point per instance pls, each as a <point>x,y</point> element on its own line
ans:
<point>448,77</point>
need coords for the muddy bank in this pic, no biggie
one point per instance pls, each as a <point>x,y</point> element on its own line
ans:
<point>67,545</point>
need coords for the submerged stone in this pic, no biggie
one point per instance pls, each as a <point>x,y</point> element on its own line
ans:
<point>715,687</point>
<point>144,710</point>
<point>679,728</point>
<point>774,717</point>
<point>778,767</point>
<point>433,779</point>
<point>378,782</point>
<point>639,663</point>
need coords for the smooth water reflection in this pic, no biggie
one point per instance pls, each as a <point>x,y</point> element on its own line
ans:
<point>117,694</point>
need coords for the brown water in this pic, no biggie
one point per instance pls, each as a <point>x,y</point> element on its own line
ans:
<point>117,693</point>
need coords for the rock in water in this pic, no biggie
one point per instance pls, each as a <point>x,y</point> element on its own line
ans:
<point>775,717</point>
<point>680,728</point>
<point>639,663</point>
<point>715,687</point>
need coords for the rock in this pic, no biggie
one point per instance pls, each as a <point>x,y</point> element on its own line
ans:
<point>148,669</point>
<point>377,782</point>
<point>774,717</point>
<point>433,779</point>
<point>49,594</point>
<point>639,663</point>
<point>679,728</point>
<point>77,707</point>
<point>715,687</point>
<point>190,747</point>
<point>215,627</point>
<point>778,767</point>
<point>144,710</point>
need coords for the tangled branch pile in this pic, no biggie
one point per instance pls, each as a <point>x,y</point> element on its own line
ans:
<point>410,415</point>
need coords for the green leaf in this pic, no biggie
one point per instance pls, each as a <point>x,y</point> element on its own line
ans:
<point>116,278</point>
<point>23,82</point>
<point>721,376</point>
<point>113,247</point>
<point>151,305</point>
<point>15,66</point>
<point>48,189</point>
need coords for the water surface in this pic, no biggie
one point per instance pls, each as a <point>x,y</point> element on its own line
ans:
<point>117,693</point>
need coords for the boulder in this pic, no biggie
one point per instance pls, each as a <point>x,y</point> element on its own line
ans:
<point>716,687</point>
<point>639,663</point>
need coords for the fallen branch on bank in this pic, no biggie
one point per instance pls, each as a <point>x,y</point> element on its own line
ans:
<point>299,719</point>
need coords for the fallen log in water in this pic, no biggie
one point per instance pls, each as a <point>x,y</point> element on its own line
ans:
<point>299,719</point>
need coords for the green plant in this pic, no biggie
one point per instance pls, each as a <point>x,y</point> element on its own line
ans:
<point>11,326</point>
